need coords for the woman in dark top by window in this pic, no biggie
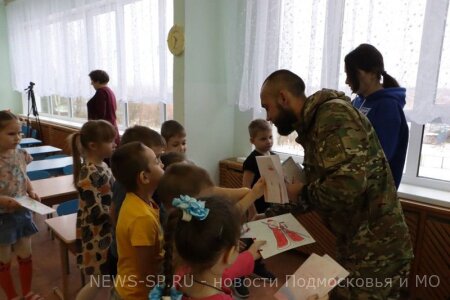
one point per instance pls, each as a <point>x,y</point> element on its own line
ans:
<point>103,105</point>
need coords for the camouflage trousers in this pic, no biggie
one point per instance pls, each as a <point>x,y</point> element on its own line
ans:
<point>367,281</point>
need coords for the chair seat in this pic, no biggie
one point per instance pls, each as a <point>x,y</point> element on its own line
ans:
<point>67,208</point>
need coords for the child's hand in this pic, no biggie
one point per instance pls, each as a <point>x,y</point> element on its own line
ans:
<point>255,248</point>
<point>9,204</point>
<point>34,196</point>
<point>258,188</point>
<point>259,217</point>
<point>316,297</point>
<point>242,246</point>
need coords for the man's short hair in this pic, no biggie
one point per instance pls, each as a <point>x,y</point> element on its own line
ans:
<point>287,79</point>
<point>99,76</point>
<point>172,128</point>
<point>258,125</point>
<point>143,134</point>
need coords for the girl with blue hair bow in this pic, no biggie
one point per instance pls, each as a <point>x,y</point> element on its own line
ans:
<point>204,234</point>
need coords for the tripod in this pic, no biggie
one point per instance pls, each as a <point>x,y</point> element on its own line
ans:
<point>32,108</point>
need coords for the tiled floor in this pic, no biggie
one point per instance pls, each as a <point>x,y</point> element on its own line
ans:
<point>47,268</point>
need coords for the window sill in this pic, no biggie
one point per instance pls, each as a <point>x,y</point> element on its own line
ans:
<point>405,191</point>
<point>424,195</point>
<point>63,122</point>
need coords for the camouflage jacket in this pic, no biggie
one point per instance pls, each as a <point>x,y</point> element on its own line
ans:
<point>348,181</point>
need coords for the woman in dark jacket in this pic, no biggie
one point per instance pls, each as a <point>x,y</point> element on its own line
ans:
<point>103,105</point>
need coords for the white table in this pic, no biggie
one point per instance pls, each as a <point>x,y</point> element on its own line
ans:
<point>49,164</point>
<point>42,150</point>
<point>29,141</point>
<point>64,228</point>
<point>55,190</point>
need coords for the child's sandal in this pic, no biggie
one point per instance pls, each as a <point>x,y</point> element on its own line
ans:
<point>33,296</point>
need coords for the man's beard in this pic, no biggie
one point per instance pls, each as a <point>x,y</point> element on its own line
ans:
<point>285,121</point>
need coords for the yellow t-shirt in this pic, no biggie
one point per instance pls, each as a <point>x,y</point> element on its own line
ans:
<point>138,225</point>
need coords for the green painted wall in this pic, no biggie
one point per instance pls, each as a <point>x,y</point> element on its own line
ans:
<point>9,99</point>
<point>215,129</point>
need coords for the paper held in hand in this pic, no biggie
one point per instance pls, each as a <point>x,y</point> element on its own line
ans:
<point>281,233</point>
<point>317,275</point>
<point>293,172</point>
<point>270,169</point>
<point>34,205</point>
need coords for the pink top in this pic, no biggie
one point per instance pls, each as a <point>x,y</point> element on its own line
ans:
<point>243,266</point>
<point>13,172</point>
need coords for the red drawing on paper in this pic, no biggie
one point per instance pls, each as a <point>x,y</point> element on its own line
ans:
<point>283,234</point>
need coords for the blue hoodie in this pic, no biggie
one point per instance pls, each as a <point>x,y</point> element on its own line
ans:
<point>384,109</point>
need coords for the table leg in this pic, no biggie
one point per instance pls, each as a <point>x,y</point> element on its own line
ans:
<point>63,252</point>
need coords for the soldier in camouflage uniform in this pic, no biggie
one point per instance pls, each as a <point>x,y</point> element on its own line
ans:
<point>348,182</point>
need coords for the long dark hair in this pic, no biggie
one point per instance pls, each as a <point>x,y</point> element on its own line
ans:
<point>367,58</point>
<point>93,131</point>
<point>199,244</point>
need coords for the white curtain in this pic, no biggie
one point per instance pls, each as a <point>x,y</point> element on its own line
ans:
<point>56,43</point>
<point>312,37</point>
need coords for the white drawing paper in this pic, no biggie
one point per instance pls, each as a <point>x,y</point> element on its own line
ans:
<point>281,233</point>
<point>270,169</point>
<point>34,205</point>
<point>293,172</point>
<point>323,270</point>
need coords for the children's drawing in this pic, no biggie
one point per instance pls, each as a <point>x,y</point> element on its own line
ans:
<point>281,234</point>
<point>270,168</point>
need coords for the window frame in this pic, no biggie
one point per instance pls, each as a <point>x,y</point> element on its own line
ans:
<point>163,111</point>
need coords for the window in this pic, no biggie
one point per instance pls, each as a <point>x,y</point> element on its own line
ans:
<point>127,113</point>
<point>79,108</point>
<point>150,115</point>
<point>126,38</point>
<point>400,33</point>
<point>435,154</point>
<point>60,106</point>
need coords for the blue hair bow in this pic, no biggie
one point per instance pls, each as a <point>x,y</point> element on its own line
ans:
<point>157,291</point>
<point>191,208</point>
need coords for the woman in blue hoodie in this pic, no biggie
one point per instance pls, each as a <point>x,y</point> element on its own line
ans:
<point>382,103</point>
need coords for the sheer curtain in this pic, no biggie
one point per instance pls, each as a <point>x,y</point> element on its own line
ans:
<point>56,43</point>
<point>311,38</point>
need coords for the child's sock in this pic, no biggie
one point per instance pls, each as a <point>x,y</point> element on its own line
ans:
<point>26,272</point>
<point>6,280</point>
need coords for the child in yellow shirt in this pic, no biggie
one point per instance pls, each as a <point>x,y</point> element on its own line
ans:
<point>138,233</point>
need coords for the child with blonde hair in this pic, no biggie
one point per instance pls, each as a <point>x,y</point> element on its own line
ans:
<point>93,179</point>
<point>16,223</point>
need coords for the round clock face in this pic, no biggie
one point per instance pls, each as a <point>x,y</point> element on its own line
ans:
<point>175,40</point>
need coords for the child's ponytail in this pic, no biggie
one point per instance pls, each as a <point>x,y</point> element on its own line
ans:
<point>76,153</point>
<point>168,265</point>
